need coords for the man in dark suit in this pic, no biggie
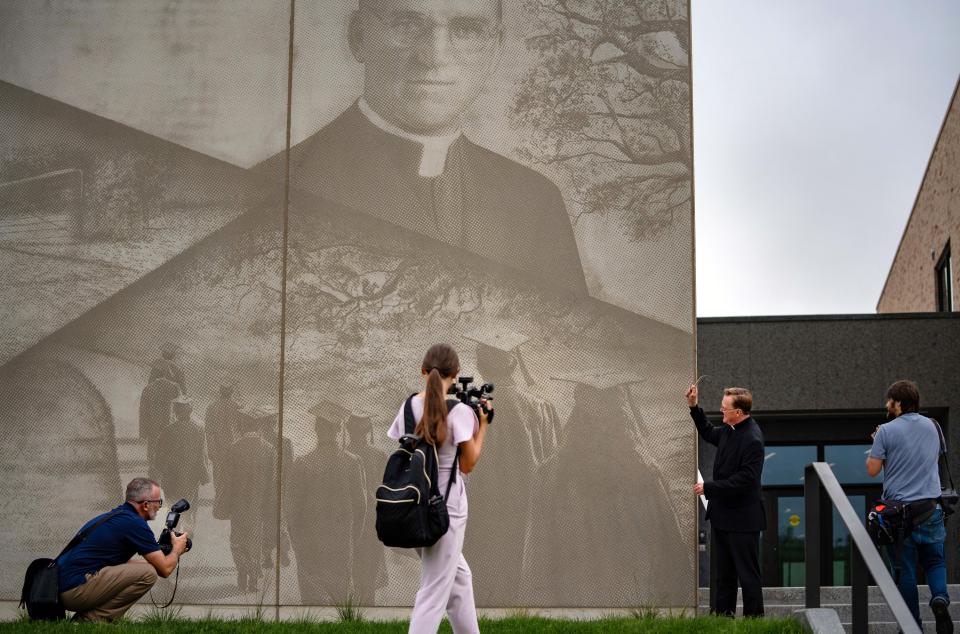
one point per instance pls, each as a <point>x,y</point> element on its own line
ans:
<point>399,154</point>
<point>735,507</point>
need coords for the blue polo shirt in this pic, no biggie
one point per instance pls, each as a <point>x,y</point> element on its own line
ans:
<point>112,543</point>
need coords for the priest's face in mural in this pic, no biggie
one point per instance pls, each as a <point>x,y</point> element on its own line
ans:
<point>425,61</point>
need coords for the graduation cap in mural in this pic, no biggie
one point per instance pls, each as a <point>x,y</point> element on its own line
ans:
<point>609,385</point>
<point>257,417</point>
<point>498,337</point>
<point>505,342</point>
<point>601,379</point>
<point>331,412</point>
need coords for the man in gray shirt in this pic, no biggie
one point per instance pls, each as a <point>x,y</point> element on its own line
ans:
<point>907,449</point>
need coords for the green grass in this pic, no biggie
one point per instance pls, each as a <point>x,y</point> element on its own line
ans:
<point>706,625</point>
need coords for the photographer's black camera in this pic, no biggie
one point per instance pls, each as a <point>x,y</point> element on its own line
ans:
<point>470,395</point>
<point>173,518</point>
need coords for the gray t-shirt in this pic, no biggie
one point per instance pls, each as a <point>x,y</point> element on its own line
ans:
<point>910,448</point>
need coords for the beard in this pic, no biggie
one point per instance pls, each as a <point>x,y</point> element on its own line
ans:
<point>891,415</point>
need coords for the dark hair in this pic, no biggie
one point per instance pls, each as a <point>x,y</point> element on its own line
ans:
<point>907,394</point>
<point>742,398</point>
<point>440,362</point>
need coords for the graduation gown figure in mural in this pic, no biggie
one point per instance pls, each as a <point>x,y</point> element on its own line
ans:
<point>155,401</point>
<point>511,455</point>
<point>598,483</point>
<point>325,507</point>
<point>181,462</point>
<point>369,565</point>
<point>220,428</point>
<point>250,494</point>
<point>166,367</point>
<point>270,430</point>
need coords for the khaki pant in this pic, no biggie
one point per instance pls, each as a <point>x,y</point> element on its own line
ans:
<point>108,593</point>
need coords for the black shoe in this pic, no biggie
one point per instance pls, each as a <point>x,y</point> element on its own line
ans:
<point>941,612</point>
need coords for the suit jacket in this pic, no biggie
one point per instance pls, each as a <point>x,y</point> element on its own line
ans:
<point>736,500</point>
<point>511,214</point>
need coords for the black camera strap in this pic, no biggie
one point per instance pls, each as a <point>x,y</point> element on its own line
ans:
<point>176,582</point>
<point>943,453</point>
<point>82,535</point>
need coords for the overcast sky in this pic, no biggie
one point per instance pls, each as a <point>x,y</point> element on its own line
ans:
<point>813,124</point>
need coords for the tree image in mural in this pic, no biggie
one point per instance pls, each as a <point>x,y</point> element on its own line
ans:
<point>609,106</point>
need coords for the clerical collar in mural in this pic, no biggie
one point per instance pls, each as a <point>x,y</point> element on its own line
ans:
<point>433,157</point>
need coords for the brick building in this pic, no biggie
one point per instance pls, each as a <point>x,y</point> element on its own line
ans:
<point>923,277</point>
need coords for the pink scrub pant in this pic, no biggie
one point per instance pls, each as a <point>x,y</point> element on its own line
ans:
<point>446,585</point>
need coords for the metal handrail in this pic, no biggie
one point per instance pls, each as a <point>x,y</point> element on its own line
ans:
<point>820,484</point>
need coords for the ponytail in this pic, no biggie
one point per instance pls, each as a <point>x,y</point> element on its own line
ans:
<point>440,362</point>
<point>433,426</point>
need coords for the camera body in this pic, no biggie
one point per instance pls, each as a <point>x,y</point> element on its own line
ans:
<point>470,395</point>
<point>173,518</point>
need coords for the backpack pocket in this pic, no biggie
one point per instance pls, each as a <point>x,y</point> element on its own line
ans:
<point>408,494</point>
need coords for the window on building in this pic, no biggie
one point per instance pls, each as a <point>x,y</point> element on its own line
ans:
<point>945,281</point>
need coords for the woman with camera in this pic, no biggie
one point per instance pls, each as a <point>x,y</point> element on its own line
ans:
<point>446,584</point>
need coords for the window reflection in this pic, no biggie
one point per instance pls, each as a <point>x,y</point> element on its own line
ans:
<point>849,463</point>
<point>784,464</point>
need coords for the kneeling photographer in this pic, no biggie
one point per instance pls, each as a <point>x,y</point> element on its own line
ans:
<point>907,449</point>
<point>98,580</point>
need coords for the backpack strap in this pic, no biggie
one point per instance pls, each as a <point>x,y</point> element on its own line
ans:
<point>82,535</point>
<point>409,422</point>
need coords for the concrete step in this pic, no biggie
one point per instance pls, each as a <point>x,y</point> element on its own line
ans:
<point>782,602</point>
<point>877,611</point>
<point>828,594</point>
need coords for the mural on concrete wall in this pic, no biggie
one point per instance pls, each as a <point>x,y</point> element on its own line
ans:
<point>513,179</point>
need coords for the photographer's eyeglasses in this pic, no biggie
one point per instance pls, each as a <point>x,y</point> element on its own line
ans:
<point>158,502</point>
<point>466,35</point>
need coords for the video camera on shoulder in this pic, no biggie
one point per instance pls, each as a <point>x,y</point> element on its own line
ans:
<point>173,518</point>
<point>470,395</point>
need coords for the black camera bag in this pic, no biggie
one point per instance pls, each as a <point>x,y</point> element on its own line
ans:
<point>411,513</point>
<point>890,522</point>
<point>41,584</point>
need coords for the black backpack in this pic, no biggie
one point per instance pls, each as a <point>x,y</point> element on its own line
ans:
<point>41,584</point>
<point>411,513</point>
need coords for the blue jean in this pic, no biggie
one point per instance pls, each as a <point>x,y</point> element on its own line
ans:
<point>925,543</point>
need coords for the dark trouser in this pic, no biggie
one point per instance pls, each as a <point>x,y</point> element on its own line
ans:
<point>738,559</point>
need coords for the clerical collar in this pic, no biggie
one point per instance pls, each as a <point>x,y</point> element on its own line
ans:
<point>433,157</point>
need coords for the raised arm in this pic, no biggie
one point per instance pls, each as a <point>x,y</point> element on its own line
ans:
<point>708,432</point>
